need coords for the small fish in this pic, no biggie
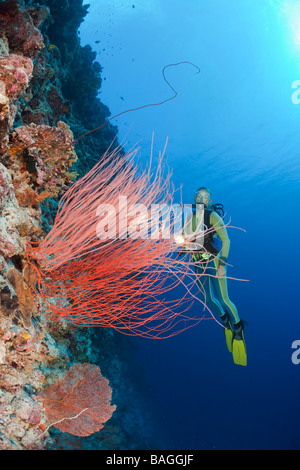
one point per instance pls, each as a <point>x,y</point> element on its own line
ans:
<point>66,107</point>
<point>97,42</point>
<point>26,335</point>
<point>51,47</point>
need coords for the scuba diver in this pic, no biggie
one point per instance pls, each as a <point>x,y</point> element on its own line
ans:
<point>210,264</point>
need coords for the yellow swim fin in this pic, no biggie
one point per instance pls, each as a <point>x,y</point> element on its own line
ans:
<point>227,331</point>
<point>239,353</point>
<point>228,338</point>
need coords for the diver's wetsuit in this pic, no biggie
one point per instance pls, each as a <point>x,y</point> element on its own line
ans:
<point>215,288</point>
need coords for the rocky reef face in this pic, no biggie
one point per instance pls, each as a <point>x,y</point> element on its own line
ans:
<point>48,87</point>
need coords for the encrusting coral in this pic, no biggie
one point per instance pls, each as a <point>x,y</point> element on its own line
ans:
<point>15,72</point>
<point>40,160</point>
<point>21,285</point>
<point>15,75</point>
<point>16,223</point>
<point>20,26</point>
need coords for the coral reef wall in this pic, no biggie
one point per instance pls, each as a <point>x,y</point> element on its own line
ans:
<point>48,98</point>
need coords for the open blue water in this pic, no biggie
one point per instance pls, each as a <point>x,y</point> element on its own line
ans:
<point>234,127</point>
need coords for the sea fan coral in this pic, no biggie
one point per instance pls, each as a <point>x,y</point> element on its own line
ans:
<point>116,280</point>
<point>79,402</point>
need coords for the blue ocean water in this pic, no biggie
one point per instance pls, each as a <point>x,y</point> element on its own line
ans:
<point>234,127</point>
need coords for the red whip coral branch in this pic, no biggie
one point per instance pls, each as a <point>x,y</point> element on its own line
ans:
<point>78,403</point>
<point>118,282</point>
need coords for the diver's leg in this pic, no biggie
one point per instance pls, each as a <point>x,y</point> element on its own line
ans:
<point>204,280</point>
<point>238,347</point>
<point>220,288</point>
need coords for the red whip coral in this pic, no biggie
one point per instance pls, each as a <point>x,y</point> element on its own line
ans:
<point>118,282</point>
<point>79,403</point>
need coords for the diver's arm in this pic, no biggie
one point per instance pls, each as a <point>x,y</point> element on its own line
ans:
<point>220,228</point>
